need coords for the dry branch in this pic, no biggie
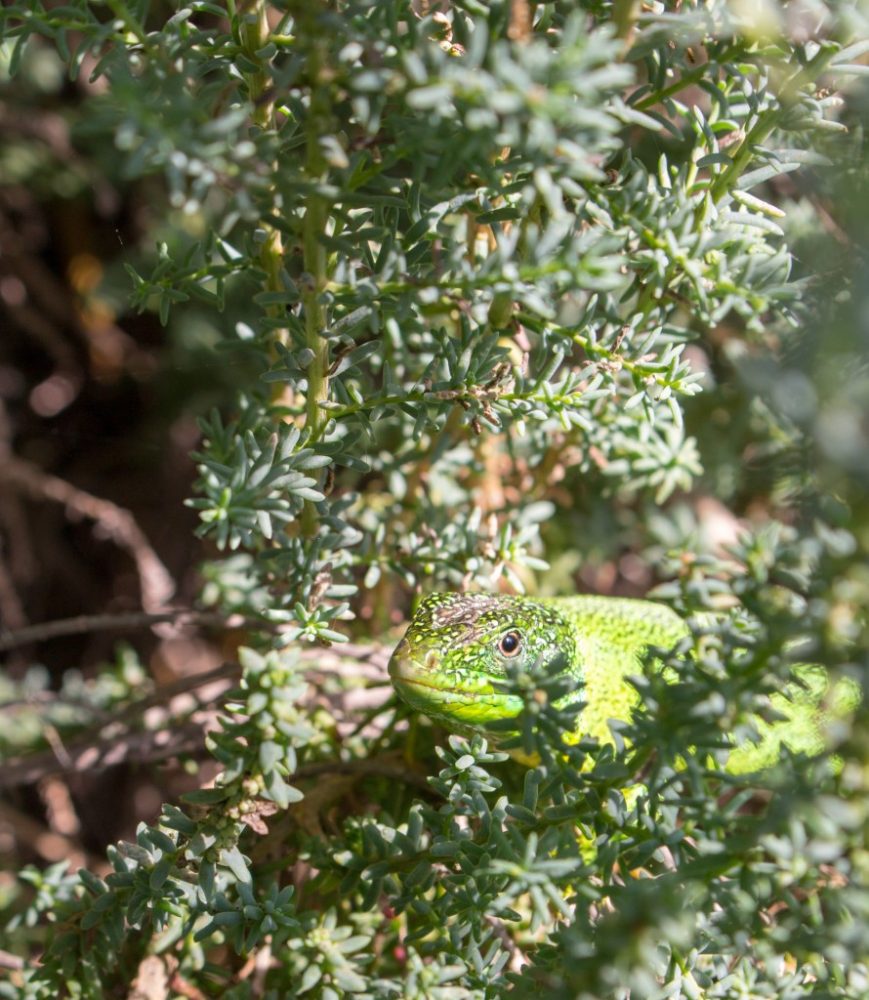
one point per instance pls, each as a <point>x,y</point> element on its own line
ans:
<point>113,741</point>
<point>123,622</point>
<point>157,585</point>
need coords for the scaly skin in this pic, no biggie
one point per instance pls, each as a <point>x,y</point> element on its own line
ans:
<point>457,649</point>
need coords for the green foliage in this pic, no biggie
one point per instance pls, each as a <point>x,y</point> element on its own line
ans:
<point>510,291</point>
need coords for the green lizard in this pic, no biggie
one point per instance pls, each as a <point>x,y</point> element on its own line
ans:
<point>458,647</point>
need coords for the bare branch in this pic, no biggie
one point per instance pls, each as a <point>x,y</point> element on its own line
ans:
<point>119,525</point>
<point>122,622</point>
<point>111,742</point>
<point>90,756</point>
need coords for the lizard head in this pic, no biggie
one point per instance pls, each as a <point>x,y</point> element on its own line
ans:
<point>458,647</point>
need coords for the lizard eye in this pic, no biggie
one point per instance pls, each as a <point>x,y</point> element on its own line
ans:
<point>510,643</point>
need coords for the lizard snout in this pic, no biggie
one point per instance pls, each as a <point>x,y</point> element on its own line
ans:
<point>404,665</point>
<point>400,663</point>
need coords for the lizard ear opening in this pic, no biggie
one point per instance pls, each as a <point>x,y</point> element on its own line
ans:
<point>510,643</point>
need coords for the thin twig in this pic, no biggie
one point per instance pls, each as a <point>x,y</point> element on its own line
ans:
<point>93,751</point>
<point>155,581</point>
<point>362,766</point>
<point>90,757</point>
<point>123,622</point>
<point>129,620</point>
<point>149,747</point>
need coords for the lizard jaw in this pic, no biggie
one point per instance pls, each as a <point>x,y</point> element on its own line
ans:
<point>465,702</point>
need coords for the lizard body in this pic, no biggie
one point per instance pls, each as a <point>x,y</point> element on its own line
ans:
<point>458,649</point>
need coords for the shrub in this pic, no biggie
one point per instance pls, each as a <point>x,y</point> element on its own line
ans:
<point>509,297</point>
